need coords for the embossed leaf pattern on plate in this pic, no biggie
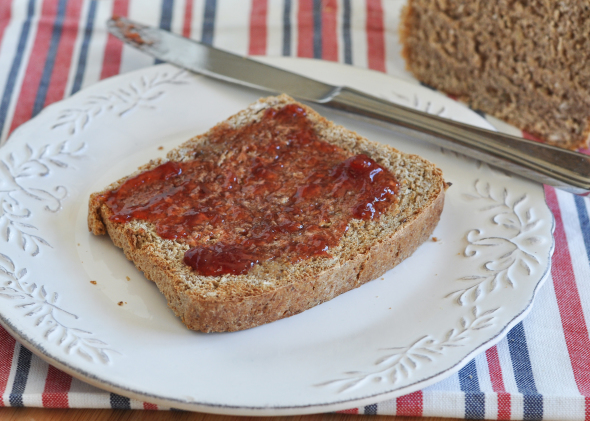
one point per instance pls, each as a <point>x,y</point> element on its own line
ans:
<point>24,180</point>
<point>399,364</point>
<point>141,93</point>
<point>23,186</point>
<point>43,306</point>
<point>505,251</point>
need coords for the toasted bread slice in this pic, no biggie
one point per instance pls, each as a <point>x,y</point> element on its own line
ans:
<point>279,288</point>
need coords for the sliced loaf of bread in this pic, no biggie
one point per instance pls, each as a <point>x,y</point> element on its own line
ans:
<point>282,286</point>
<point>525,62</point>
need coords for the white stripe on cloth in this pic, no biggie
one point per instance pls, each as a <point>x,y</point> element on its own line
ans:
<point>388,407</point>
<point>275,28</point>
<point>444,398</point>
<point>83,395</point>
<point>294,28</point>
<point>132,58</point>
<point>358,33</point>
<point>564,408</point>
<point>232,23</point>
<point>197,19</point>
<point>394,66</point>
<point>444,402</point>
<point>97,45</point>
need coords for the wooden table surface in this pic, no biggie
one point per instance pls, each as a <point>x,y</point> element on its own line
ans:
<point>41,414</point>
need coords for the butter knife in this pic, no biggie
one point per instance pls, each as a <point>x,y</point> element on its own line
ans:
<point>557,167</point>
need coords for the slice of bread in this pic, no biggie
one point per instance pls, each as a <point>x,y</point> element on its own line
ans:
<point>525,62</point>
<point>279,288</point>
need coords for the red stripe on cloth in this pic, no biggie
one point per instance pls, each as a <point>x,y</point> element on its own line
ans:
<point>410,405</point>
<point>63,59</point>
<point>329,31</point>
<point>353,411</point>
<point>57,386</point>
<point>188,18</point>
<point>569,303</point>
<point>497,380</point>
<point>26,99</point>
<point>7,344</point>
<point>305,29</point>
<point>150,406</point>
<point>111,63</point>
<point>258,27</point>
<point>5,13</point>
<point>375,35</point>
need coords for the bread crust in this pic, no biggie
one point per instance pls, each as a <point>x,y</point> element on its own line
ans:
<point>231,303</point>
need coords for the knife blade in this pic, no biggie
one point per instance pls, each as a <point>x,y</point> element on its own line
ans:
<point>557,167</point>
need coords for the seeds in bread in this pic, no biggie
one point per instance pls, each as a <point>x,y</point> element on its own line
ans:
<point>277,288</point>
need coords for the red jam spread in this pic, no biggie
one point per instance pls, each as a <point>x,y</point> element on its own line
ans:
<point>268,190</point>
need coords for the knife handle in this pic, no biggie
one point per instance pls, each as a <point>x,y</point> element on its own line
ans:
<point>557,167</point>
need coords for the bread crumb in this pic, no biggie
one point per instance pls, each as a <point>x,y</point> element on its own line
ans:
<point>93,282</point>
<point>434,239</point>
<point>160,148</point>
<point>120,303</point>
<point>128,278</point>
<point>78,244</point>
<point>382,279</point>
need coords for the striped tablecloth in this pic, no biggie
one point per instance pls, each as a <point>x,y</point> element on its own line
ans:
<point>50,49</point>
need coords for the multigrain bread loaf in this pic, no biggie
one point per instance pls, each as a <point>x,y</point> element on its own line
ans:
<point>526,62</point>
<point>280,286</point>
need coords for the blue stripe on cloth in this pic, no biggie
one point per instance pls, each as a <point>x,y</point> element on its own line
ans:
<point>51,55</point>
<point>475,404</point>
<point>16,63</point>
<point>166,15</point>
<point>23,366</point>
<point>317,28</point>
<point>287,28</point>
<point>523,373</point>
<point>166,19</point>
<point>584,222</point>
<point>346,34</point>
<point>209,22</point>
<point>371,409</point>
<point>83,58</point>
<point>119,402</point>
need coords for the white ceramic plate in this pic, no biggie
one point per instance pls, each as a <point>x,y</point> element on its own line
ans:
<point>421,322</point>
